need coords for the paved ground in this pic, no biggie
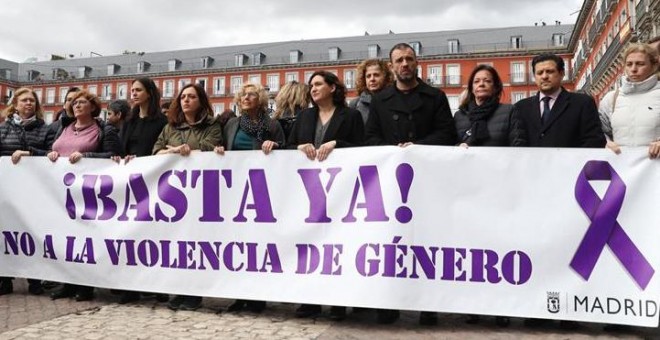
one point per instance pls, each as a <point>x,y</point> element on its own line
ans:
<point>24,316</point>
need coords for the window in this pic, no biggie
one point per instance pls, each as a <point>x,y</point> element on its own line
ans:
<point>122,91</point>
<point>273,82</point>
<point>50,96</point>
<point>308,74</point>
<point>453,45</point>
<point>39,93</point>
<point>239,60</point>
<point>7,73</point>
<point>517,96</point>
<point>291,76</point>
<point>83,71</point>
<point>236,83</point>
<point>201,82</point>
<point>183,82</point>
<point>567,70</point>
<point>254,79</point>
<point>518,72</point>
<point>142,67</point>
<point>206,62</point>
<point>558,39</point>
<point>168,88</point>
<point>258,59</point>
<point>33,75</point>
<point>349,79</point>
<point>219,86</point>
<point>373,51</point>
<point>10,92</point>
<point>417,47</point>
<point>333,53</point>
<point>516,41</point>
<point>106,93</point>
<point>173,64</point>
<point>434,75</point>
<point>92,89</point>
<point>453,102</point>
<point>218,108</point>
<point>48,115</point>
<point>112,69</point>
<point>454,74</point>
<point>62,97</point>
<point>294,56</point>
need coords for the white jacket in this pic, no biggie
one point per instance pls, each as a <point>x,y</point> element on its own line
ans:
<point>634,118</point>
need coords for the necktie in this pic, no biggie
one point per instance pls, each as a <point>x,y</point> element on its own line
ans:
<point>545,117</point>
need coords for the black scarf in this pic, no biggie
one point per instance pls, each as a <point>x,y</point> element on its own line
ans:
<point>256,130</point>
<point>479,115</point>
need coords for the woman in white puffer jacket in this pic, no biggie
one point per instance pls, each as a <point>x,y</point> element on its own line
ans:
<point>631,114</point>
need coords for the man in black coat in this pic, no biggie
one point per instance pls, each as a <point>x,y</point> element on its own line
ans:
<point>555,117</point>
<point>410,111</point>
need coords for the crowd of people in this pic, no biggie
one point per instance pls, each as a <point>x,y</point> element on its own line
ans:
<point>394,107</point>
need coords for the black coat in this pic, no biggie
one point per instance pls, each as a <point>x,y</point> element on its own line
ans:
<point>151,128</point>
<point>426,120</point>
<point>503,128</point>
<point>33,137</point>
<point>573,123</point>
<point>345,127</point>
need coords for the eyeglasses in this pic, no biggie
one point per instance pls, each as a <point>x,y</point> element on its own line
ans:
<point>249,94</point>
<point>81,102</point>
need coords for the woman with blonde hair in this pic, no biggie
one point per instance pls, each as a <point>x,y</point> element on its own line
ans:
<point>630,115</point>
<point>292,98</point>
<point>252,129</point>
<point>24,133</point>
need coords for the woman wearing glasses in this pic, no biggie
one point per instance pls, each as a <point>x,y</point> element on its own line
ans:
<point>83,136</point>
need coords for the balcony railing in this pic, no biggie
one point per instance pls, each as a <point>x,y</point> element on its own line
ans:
<point>518,78</point>
<point>606,61</point>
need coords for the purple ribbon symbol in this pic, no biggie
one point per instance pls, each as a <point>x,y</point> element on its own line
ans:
<point>604,228</point>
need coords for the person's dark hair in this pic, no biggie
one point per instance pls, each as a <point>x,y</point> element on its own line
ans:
<point>401,46</point>
<point>548,56</point>
<point>154,98</point>
<point>339,96</point>
<point>120,106</point>
<point>175,114</point>
<point>225,116</point>
<point>497,84</point>
<point>165,105</point>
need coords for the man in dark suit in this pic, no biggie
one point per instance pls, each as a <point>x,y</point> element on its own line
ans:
<point>408,112</point>
<point>555,117</point>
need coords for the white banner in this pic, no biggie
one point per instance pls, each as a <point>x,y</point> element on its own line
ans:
<point>544,233</point>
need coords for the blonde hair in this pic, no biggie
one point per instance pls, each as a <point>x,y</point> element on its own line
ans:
<point>645,49</point>
<point>261,92</point>
<point>293,96</point>
<point>11,108</point>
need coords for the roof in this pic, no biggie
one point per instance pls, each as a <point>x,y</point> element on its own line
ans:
<point>276,54</point>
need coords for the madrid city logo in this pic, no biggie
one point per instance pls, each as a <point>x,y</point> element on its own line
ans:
<point>554,305</point>
<point>604,229</point>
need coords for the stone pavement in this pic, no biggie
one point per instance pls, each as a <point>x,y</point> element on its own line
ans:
<point>23,316</point>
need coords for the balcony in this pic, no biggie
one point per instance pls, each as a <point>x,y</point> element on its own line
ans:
<point>593,32</point>
<point>641,9</point>
<point>608,58</point>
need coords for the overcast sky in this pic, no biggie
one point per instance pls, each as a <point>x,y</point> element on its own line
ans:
<point>39,28</point>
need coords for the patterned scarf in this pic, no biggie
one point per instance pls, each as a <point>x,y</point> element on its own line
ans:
<point>256,130</point>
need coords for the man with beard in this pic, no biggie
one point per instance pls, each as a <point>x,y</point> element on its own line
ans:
<point>405,113</point>
<point>410,111</point>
